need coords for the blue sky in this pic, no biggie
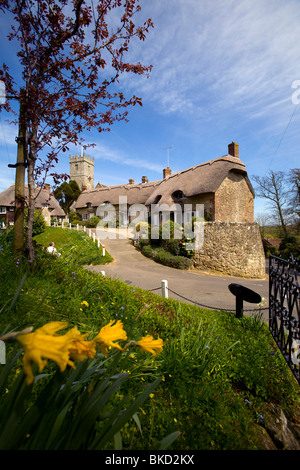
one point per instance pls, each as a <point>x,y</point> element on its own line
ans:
<point>223,71</point>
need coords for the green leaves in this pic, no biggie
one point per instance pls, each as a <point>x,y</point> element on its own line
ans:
<point>76,409</point>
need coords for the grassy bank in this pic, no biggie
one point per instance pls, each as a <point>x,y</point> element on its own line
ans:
<point>218,373</point>
<point>75,246</point>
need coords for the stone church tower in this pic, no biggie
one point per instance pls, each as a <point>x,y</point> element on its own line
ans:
<point>82,171</point>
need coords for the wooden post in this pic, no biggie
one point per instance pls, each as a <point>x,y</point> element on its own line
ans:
<point>164,289</point>
<point>20,182</point>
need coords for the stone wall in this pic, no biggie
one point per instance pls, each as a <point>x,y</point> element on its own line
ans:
<point>232,248</point>
<point>234,200</point>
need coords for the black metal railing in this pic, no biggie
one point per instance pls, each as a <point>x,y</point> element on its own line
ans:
<point>284,310</point>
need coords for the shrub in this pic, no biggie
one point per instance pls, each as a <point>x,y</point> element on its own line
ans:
<point>143,229</point>
<point>147,250</point>
<point>289,246</point>
<point>170,229</point>
<point>173,245</point>
<point>93,222</point>
<point>39,224</point>
<point>74,217</point>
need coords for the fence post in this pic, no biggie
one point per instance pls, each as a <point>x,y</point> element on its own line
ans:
<point>77,227</point>
<point>103,250</point>
<point>164,289</point>
<point>93,237</point>
<point>98,241</point>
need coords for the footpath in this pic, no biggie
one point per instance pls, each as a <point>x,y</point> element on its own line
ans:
<point>203,289</point>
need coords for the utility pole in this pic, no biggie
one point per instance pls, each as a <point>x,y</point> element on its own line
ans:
<point>20,181</point>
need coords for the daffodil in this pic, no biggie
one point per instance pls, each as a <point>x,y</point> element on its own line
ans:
<point>79,348</point>
<point>148,344</point>
<point>84,303</point>
<point>44,344</point>
<point>110,333</point>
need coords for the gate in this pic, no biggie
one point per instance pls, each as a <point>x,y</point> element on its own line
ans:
<point>284,310</point>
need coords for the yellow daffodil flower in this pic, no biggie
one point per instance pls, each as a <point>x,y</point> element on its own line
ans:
<point>52,327</point>
<point>84,303</point>
<point>79,348</point>
<point>42,345</point>
<point>148,344</point>
<point>110,333</point>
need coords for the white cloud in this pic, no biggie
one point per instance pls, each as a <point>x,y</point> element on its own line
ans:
<point>102,152</point>
<point>220,55</point>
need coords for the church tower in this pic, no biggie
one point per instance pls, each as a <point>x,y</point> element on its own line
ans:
<point>82,171</point>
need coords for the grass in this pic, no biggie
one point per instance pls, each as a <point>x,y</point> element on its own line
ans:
<point>218,373</point>
<point>75,246</point>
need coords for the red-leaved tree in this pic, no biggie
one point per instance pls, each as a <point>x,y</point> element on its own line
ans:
<point>71,54</point>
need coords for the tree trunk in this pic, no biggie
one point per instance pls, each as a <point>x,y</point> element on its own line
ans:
<point>20,184</point>
<point>31,197</point>
<point>278,203</point>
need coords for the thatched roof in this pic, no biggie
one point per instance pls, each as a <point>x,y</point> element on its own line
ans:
<point>200,179</point>
<point>7,199</point>
<point>135,194</point>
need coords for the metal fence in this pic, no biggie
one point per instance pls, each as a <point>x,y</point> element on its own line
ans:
<point>284,310</point>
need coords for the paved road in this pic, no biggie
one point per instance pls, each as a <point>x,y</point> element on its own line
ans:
<point>132,267</point>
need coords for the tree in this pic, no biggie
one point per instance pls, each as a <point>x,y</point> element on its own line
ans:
<point>66,194</point>
<point>273,188</point>
<point>294,178</point>
<point>72,53</point>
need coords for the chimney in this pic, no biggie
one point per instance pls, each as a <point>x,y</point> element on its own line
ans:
<point>233,149</point>
<point>167,172</point>
<point>131,181</point>
<point>144,179</point>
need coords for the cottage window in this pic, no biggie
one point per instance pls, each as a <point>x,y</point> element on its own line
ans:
<point>178,194</point>
<point>84,216</point>
<point>2,210</point>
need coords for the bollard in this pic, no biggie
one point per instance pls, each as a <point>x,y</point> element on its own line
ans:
<point>103,250</point>
<point>77,227</point>
<point>70,225</point>
<point>164,289</point>
<point>93,237</point>
<point>98,243</point>
<point>242,294</point>
<point>90,232</point>
<point>103,273</point>
<point>84,228</point>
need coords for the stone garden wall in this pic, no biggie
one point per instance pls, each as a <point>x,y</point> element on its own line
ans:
<point>232,248</point>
